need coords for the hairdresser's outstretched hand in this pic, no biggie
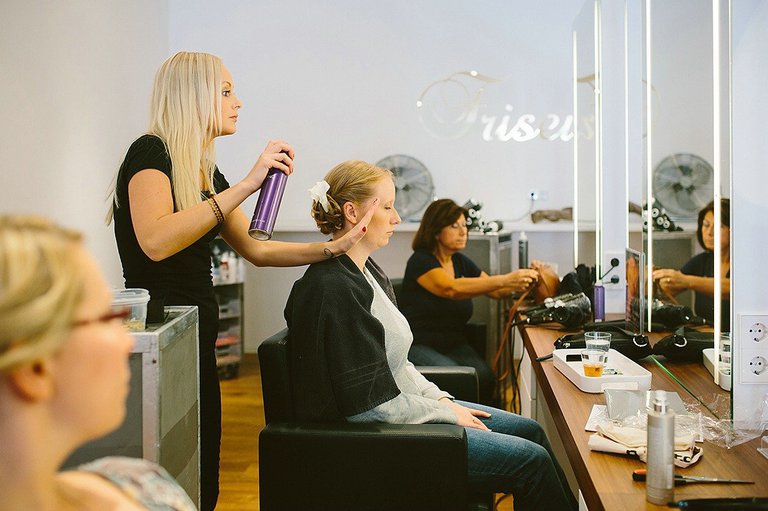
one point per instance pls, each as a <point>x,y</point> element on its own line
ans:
<point>522,279</point>
<point>671,282</point>
<point>469,417</point>
<point>278,154</point>
<point>350,239</point>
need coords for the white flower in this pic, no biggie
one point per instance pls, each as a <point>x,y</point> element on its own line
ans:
<point>319,194</point>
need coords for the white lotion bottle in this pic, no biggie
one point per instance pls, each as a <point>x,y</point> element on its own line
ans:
<point>660,479</point>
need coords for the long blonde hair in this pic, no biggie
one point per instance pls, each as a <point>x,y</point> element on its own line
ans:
<point>41,286</point>
<point>185,114</point>
<point>349,181</point>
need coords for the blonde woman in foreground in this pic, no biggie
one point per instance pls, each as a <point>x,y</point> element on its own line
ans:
<point>64,379</point>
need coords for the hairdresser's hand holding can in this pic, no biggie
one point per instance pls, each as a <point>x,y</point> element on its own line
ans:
<point>272,187</point>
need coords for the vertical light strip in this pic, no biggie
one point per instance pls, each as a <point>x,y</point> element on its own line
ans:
<point>626,120</point>
<point>598,141</point>
<point>575,153</point>
<point>648,164</point>
<point>729,24</point>
<point>716,166</point>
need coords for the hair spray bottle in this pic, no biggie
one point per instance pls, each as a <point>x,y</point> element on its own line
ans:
<point>522,251</point>
<point>268,205</point>
<point>598,301</point>
<point>659,486</point>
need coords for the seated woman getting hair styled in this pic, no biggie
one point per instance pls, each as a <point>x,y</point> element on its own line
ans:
<point>438,288</point>
<point>349,345</point>
<point>698,274</point>
<point>64,379</point>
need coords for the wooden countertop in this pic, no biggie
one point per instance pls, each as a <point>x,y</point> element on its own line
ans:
<point>605,480</point>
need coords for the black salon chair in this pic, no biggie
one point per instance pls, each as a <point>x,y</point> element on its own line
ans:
<point>345,466</point>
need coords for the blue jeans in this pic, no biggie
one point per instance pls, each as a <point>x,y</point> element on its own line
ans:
<point>515,457</point>
<point>461,355</point>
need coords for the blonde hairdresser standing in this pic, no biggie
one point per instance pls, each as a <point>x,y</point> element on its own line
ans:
<point>170,201</point>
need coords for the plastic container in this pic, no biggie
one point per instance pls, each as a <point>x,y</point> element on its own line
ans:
<point>135,299</point>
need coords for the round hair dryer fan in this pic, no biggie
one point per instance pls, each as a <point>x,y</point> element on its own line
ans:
<point>683,184</point>
<point>413,184</point>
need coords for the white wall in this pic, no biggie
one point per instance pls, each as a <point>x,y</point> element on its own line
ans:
<point>76,79</point>
<point>749,207</point>
<point>340,80</point>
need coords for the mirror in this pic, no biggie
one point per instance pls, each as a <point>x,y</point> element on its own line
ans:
<point>686,135</point>
<point>587,112</point>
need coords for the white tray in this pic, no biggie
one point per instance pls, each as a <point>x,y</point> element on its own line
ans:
<point>708,355</point>
<point>632,377</point>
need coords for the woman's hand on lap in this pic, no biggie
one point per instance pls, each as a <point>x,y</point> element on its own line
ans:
<point>469,417</point>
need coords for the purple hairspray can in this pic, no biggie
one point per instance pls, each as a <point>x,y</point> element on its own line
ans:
<point>268,205</point>
<point>598,301</point>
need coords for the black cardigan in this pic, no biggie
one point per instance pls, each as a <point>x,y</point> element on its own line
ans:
<point>336,346</point>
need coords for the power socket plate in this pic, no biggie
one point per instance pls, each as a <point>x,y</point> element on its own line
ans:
<point>619,271</point>
<point>753,348</point>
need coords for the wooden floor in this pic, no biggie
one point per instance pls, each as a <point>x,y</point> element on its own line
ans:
<point>242,419</point>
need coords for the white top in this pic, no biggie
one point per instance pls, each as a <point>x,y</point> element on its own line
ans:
<point>417,402</point>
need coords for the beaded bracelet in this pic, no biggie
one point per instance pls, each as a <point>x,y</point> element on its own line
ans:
<point>216,209</point>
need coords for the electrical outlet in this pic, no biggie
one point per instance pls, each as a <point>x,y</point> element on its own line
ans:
<point>614,275</point>
<point>758,365</point>
<point>757,332</point>
<point>753,331</point>
<point>754,366</point>
<point>753,348</point>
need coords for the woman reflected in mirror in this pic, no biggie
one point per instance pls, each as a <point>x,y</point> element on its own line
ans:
<point>698,274</point>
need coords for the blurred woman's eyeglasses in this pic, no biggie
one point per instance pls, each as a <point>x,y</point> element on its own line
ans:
<point>119,314</point>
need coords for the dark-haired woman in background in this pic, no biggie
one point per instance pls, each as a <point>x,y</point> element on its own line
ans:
<point>438,288</point>
<point>698,274</point>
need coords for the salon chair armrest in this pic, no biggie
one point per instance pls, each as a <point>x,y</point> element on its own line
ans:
<point>363,466</point>
<point>458,381</point>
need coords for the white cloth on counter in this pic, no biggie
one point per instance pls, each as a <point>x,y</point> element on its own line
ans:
<point>633,442</point>
<point>635,437</point>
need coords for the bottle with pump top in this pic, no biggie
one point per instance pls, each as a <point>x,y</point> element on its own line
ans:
<point>268,205</point>
<point>660,481</point>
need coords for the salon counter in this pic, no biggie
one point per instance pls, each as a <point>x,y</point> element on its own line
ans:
<point>604,481</point>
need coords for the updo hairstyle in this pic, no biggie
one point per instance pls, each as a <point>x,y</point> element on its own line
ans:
<point>350,181</point>
<point>41,286</point>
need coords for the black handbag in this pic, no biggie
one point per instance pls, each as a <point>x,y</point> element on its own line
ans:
<point>685,344</point>
<point>631,345</point>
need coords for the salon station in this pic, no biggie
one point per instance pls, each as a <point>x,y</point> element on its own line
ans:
<point>590,135</point>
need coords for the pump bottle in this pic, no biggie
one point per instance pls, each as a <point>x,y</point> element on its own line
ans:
<point>659,486</point>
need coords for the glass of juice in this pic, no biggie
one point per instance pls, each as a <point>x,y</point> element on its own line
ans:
<point>593,362</point>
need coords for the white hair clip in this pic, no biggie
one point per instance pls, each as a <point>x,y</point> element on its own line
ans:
<point>319,194</point>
